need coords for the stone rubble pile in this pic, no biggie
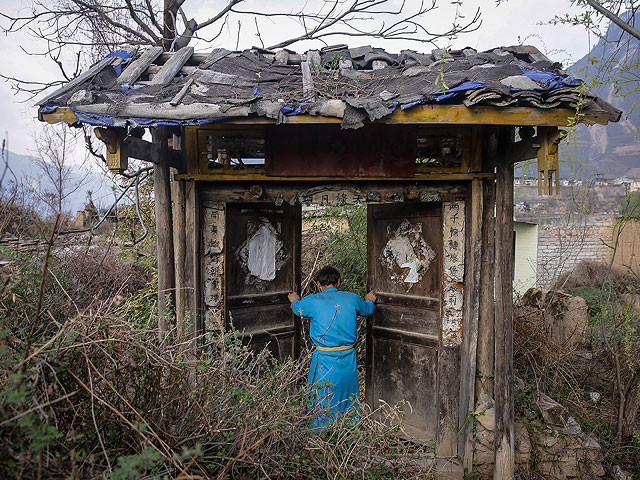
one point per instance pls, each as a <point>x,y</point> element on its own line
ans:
<point>555,448</point>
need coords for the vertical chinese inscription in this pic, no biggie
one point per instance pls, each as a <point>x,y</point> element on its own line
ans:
<point>453,223</point>
<point>213,249</point>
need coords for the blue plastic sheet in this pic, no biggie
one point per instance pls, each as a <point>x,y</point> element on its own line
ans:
<point>446,94</point>
<point>409,105</point>
<point>124,55</point>
<point>48,108</point>
<point>551,80</point>
<point>291,111</point>
<point>452,92</point>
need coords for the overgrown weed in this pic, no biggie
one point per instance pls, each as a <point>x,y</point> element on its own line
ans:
<point>99,395</point>
<point>606,362</point>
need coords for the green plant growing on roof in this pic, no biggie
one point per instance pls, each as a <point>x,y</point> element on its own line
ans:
<point>327,75</point>
<point>440,78</point>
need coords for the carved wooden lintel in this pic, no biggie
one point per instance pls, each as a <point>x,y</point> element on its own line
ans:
<point>548,162</point>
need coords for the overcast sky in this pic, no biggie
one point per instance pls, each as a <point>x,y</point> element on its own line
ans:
<point>512,23</point>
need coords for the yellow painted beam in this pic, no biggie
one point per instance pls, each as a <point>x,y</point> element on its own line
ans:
<point>61,115</point>
<point>520,116</point>
<point>420,114</point>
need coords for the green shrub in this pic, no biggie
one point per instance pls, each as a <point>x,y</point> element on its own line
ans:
<point>345,244</point>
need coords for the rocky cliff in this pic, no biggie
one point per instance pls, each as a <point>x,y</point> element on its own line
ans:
<point>613,67</point>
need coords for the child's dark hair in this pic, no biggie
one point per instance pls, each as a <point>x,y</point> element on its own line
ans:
<point>328,276</point>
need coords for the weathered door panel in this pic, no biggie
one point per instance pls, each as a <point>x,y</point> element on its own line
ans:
<point>404,343</point>
<point>262,265</point>
<point>402,370</point>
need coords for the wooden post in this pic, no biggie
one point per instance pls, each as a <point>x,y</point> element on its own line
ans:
<point>164,231</point>
<point>191,262</point>
<point>504,397</point>
<point>470,323</point>
<point>178,189</point>
<point>486,316</point>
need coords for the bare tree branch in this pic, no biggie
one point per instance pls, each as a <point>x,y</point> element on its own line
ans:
<point>89,29</point>
<point>219,15</point>
<point>614,18</point>
<point>142,25</point>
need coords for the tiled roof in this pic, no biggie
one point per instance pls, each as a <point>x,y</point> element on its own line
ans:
<point>362,84</point>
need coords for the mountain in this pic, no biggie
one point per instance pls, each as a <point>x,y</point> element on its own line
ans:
<point>27,173</point>
<point>613,150</point>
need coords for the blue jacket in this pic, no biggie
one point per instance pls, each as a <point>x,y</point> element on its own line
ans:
<point>333,377</point>
<point>333,316</point>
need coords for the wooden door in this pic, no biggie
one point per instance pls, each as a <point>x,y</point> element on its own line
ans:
<point>405,358</point>
<point>262,265</point>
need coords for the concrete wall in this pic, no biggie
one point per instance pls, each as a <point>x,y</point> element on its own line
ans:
<point>628,253</point>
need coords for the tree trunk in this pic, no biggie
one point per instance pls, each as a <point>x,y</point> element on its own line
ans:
<point>169,24</point>
<point>631,405</point>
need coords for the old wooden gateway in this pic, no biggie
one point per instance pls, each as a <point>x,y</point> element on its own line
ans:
<point>243,141</point>
<point>415,263</point>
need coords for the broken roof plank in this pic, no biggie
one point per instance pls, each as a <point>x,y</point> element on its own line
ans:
<point>94,70</point>
<point>173,66</point>
<point>137,68</point>
<point>180,95</point>
<point>215,55</point>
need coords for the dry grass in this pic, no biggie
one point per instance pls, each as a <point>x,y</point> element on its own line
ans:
<point>591,274</point>
<point>99,395</point>
<point>569,375</point>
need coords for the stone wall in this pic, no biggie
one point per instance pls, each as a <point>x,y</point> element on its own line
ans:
<point>564,242</point>
<point>573,226</point>
<point>555,447</point>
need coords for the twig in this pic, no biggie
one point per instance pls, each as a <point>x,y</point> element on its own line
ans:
<point>125,420</point>
<point>255,19</point>
<point>38,407</point>
<point>240,454</point>
<point>145,230</point>
<point>239,29</point>
<point>46,345</point>
<point>307,280</point>
<point>45,268</point>
<point>122,194</point>
<point>93,414</point>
